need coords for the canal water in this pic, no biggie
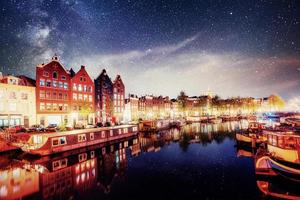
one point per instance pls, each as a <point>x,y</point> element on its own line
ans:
<point>199,161</point>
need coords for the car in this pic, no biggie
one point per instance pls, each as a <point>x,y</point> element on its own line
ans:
<point>52,128</point>
<point>90,126</point>
<point>36,128</point>
<point>79,126</point>
<point>16,129</point>
<point>99,124</point>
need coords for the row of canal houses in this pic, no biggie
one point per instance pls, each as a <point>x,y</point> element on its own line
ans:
<point>60,96</point>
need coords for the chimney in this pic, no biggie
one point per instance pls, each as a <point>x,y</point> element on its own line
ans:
<point>82,67</point>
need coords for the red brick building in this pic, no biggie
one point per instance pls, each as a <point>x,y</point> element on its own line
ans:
<point>83,98</point>
<point>53,94</point>
<point>103,98</point>
<point>119,99</point>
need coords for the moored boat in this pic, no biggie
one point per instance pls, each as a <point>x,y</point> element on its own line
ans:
<point>51,143</point>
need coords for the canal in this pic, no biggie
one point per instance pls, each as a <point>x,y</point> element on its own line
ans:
<point>199,161</point>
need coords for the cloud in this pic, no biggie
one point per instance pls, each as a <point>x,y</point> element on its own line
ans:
<point>168,69</point>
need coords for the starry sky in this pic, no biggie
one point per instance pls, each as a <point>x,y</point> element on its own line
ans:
<point>233,48</point>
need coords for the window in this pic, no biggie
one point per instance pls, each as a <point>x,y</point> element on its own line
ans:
<point>55,84</point>
<point>12,95</point>
<point>48,106</point>
<point>74,86</point>
<point>84,88</point>
<point>92,136</point>
<point>55,106</point>
<point>82,157</point>
<point>120,131</point>
<point>125,130</point>
<point>81,137</point>
<point>89,89</point>
<point>66,86</point>
<point>42,82</point>
<point>80,87</point>
<point>48,95</point>
<point>80,97</point>
<point>65,96</point>
<point>111,133</point>
<point>74,96</point>
<point>90,98</point>
<point>54,95</point>
<point>65,107</point>
<point>42,106</point>
<point>24,96</point>
<point>134,128</point>
<point>74,107</point>
<point>46,74</point>
<point>63,78</point>
<point>60,96</point>
<point>48,83</point>
<point>103,134</point>
<point>60,107</point>
<point>61,85</point>
<point>12,107</point>
<point>54,75</point>
<point>59,141</point>
<point>85,97</point>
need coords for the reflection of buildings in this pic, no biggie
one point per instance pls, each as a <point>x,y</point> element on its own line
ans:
<point>17,182</point>
<point>68,177</point>
<point>17,101</point>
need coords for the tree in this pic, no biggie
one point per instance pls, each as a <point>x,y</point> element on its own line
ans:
<point>276,102</point>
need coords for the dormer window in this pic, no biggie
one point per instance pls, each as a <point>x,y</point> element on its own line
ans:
<point>63,78</point>
<point>54,75</point>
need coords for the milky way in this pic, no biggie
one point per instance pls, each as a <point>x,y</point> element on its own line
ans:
<point>234,48</point>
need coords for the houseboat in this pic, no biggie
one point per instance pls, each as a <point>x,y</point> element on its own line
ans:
<point>253,135</point>
<point>50,143</point>
<point>154,125</point>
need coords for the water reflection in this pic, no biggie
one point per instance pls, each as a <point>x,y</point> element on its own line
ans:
<point>95,172</point>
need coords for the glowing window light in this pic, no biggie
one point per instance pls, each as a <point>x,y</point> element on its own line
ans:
<point>16,188</point>
<point>16,173</point>
<point>93,163</point>
<point>77,169</point>
<point>83,177</point>
<point>3,191</point>
<point>3,176</point>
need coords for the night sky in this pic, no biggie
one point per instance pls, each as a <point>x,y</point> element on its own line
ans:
<point>233,48</point>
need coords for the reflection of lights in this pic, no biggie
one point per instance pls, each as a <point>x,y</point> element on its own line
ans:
<point>77,169</point>
<point>93,163</point>
<point>77,179</point>
<point>16,173</point>
<point>3,191</point>
<point>88,165</point>
<point>3,176</point>
<point>93,172</point>
<point>83,177</point>
<point>16,188</point>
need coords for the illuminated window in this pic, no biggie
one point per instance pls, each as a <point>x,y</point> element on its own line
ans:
<point>74,86</point>
<point>120,131</point>
<point>61,85</point>
<point>55,107</point>
<point>42,82</point>
<point>48,106</point>
<point>80,87</point>
<point>65,107</point>
<point>90,98</point>
<point>66,86</point>
<point>85,97</point>
<point>59,141</point>
<point>42,106</point>
<point>80,97</point>
<point>74,96</point>
<point>54,83</point>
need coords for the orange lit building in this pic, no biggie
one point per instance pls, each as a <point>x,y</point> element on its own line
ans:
<point>53,94</point>
<point>83,97</point>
